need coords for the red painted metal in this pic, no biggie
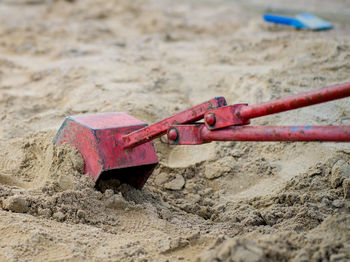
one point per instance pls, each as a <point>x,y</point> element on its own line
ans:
<point>225,116</point>
<point>172,134</point>
<point>210,119</point>
<point>198,134</point>
<point>98,138</point>
<point>158,129</point>
<point>119,144</point>
<point>233,115</point>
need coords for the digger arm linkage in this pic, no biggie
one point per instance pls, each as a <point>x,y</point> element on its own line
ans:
<point>227,123</point>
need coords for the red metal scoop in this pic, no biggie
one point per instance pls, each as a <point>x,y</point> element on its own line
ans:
<point>118,146</point>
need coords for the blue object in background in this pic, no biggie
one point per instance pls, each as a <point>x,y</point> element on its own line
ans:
<point>305,21</point>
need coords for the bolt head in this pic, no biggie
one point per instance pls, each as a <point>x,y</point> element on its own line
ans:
<point>210,119</point>
<point>172,134</point>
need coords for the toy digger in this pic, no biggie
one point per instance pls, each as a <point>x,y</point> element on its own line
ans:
<point>116,145</point>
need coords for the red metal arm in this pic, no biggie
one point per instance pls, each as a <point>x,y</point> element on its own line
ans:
<point>219,116</point>
<point>192,114</point>
<point>242,113</point>
<point>198,134</point>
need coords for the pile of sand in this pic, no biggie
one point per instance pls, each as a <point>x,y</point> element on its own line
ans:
<point>307,219</point>
<point>215,202</point>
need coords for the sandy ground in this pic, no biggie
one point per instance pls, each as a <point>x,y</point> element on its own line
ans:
<point>215,202</point>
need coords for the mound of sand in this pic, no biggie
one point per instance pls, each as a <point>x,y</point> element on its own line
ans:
<point>150,59</point>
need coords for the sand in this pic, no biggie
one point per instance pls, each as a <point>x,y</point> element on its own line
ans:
<point>223,201</point>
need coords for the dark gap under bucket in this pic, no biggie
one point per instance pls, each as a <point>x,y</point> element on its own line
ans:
<point>135,176</point>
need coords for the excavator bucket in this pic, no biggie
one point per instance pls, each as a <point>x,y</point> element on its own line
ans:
<point>98,137</point>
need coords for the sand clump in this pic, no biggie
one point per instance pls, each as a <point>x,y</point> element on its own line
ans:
<point>16,204</point>
<point>307,220</point>
<point>55,186</point>
<point>340,172</point>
